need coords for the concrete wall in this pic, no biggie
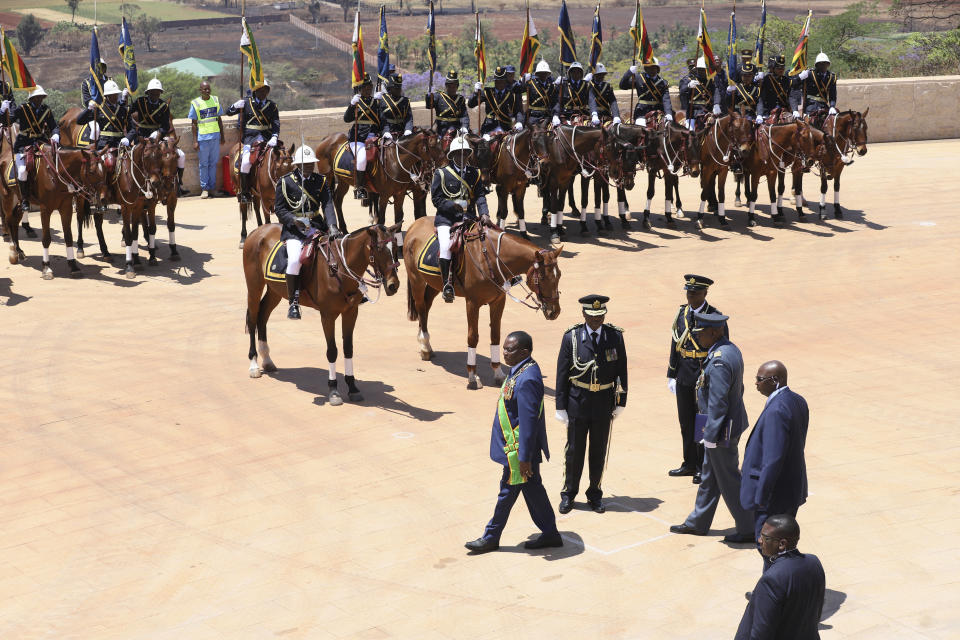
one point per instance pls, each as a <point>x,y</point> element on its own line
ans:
<point>900,109</point>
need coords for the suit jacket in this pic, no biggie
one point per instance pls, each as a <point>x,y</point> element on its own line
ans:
<point>611,365</point>
<point>720,392</point>
<point>524,408</point>
<point>787,602</point>
<point>774,470</point>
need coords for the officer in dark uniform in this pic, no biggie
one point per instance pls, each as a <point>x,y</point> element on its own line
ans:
<point>774,89</point>
<point>591,392</point>
<point>457,192</point>
<point>702,95</point>
<point>151,115</point>
<point>745,92</point>
<point>395,112</point>
<point>364,113</point>
<point>746,56</point>
<point>541,95</point>
<point>501,104</point>
<point>653,92</point>
<point>573,105</point>
<point>686,361</point>
<point>817,89</point>
<point>94,86</point>
<point>259,122</point>
<point>450,108</point>
<point>603,109</point>
<point>111,117</point>
<point>303,204</point>
<point>37,126</point>
<point>684,81</point>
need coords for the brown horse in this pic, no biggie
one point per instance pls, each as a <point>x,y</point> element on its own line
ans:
<point>362,258</point>
<point>672,152</point>
<point>270,165</point>
<point>847,132</point>
<point>723,142</point>
<point>132,187</point>
<point>492,260</point>
<point>510,168</point>
<point>167,195</point>
<point>776,148</point>
<point>9,199</point>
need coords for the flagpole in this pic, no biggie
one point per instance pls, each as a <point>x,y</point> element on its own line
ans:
<point>633,87</point>
<point>479,97</point>
<point>356,124</point>
<point>243,16</point>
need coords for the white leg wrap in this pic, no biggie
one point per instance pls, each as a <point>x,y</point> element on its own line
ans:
<point>836,197</point>
<point>583,215</point>
<point>471,357</point>
<point>752,206</point>
<point>348,366</point>
<point>331,371</point>
<point>181,159</point>
<point>523,225</point>
<point>173,239</point>
<point>443,239</point>
<point>622,208</point>
<point>667,205</point>
<point>151,242</point>
<point>555,219</point>
<point>779,201</point>
<point>799,200</point>
<point>129,251</point>
<point>254,367</point>
<point>70,254</point>
<point>823,199</point>
<point>494,354</point>
<point>721,209</point>
<point>605,210</point>
<point>647,208</point>
<point>703,205</point>
<point>596,213</point>
<point>46,254</point>
<point>294,245</point>
<point>398,236</point>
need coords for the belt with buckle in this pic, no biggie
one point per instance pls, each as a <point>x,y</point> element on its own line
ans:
<point>689,353</point>
<point>593,386</point>
<point>257,127</point>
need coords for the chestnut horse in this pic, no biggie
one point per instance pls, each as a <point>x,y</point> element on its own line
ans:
<point>723,143</point>
<point>776,148</point>
<point>271,165</point>
<point>673,152</point>
<point>167,195</point>
<point>492,260</point>
<point>847,132</point>
<point>132,187</point>
<point>511,169</point>
<point>362,258</point>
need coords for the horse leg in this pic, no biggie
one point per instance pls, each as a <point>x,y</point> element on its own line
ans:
<point>669,185</point>
<point>473,338</point>
<point>135,244</point>
<point>171,229</point>
<point>46,271</point>
<point>83,213</point>
<point>13,228</point>
<point>419,204</point>
<point>502,206</point>
<point>347,323</point>
<point>676,193</point>
<point>737,202</point>
<point>244,210</point>
<point>837,211</point>
<point>398,220</point>
<point>517,196</point>
<point>66,221</point>
<point>555,197</point>
<point>338,206</point>
<point>496,315</point>
<point>771,189</point>
<point>721,196</point>
<point>256,210</point>
<point>569,193</point>
<point>267,305</point>
<point>601,196</point>
<point>150,232</point>
<point>380,206</point>
<point>584,202</point>
<point>651,190</point>
<point>98,225</point>
<point>329,331</point>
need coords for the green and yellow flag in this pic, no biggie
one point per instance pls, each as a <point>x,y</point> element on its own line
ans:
<point>249,48</point>
<point>13,65</point>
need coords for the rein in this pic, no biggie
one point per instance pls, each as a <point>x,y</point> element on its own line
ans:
<point>847,144</point>
<point>133,168</point>
<point>571,150</point>
<point>509,277</point>
<point>66,179</point>
<point>371,277</point>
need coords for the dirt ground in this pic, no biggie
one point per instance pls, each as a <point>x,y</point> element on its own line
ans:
<point>150,489</point>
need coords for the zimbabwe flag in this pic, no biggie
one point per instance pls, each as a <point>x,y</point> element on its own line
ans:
<point>13,65</point>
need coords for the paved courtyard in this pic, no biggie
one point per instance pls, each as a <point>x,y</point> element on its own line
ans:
<point>150,489</point>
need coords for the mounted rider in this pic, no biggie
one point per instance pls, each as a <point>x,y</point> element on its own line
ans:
<point>502,105</point>
<point>817,89</point>
<point>775,89</point>
<point>746,57</point>
<point>574,100</point>
<point>365,115</point>
<point>702,95</point>
<point>37,127</point>
<point>111,117</point>
<point>152,118</point>
<point>458,193</point>
<point>746,92</point>
<point>684,81</point>
<point>93,85</point>
<point>542,95</point>
<point>450,108</point>
<point>394,108</point>
<point>653,92</point>
<point>602,101</point>
<point>259,123</point>
<point>303,204</point>
<point>8,104</point>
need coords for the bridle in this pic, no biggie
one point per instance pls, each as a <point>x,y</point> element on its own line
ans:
<point>413,176</point>
<point>144,188</point>
<point>372,275</point>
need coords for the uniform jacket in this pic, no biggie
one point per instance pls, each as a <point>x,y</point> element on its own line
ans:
<point>774,470</point>
<point>257,119</point>
<point>450,184</point>
<point>86,93</point>
<point>720,393</point>
<point>151,116</point>
<point>450,111</point>
<point>395,115</point>
<point>686,369</point>
<point>611,361</point>
<point>36,125</point>
<point>819,89</point>
<point>787,602</point>
<point>501,107</point>
<point>774,92</point>
<point>573,99</point>
<point>653,94</point>
<point>702,97</point>
<point>541,98</point>
<point>746,94</point>
<point>367,115</point>
<point>602,100</point>
<point>525,408</point>
<point>317,207</point>
<point>113,120</point>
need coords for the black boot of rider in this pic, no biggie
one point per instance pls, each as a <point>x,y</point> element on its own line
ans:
<point>24,191</point>
<point>447,292</point>
<point>180,190</point>
<point>360,192</point>
<point>293,293</point>
<point>244,187</point>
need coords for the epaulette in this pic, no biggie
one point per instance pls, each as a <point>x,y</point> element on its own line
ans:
<point>571,328</point>
<point>613,326</point>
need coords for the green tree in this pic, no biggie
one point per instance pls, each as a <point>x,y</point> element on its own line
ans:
<point>941,50</point>
<point>29,34</point>
<point>147,27</point>
<point>73,4</point>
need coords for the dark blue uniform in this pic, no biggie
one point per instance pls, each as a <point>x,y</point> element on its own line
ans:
<point>151,116</point>
<point>787,602</point>
<point>113,120</point>
<point>87,89</point>
<point>818,89</point>
<point>366,113</point>
<point>602,101</point>
<point>501,107</point>
<point>774,92</point>
<point>395,114</point>
<point>574,99</point>
<point>450,184</point>
<point>36,125</point>
<point>315,212</point>
<point>541,99</point>
<point>701,98</point>
<point>746,94</point>
<point>653,93</point>
<point>591,382</point>
<point>450,111</point>
<point>257,119</point>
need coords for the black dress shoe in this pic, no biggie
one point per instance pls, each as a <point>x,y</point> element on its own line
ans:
<point>747,595</point>
<point>683,528</point>
<point>739,538</point>
<point>482,545</point>
<point>597,506</point>
<point>544,541</point>
<point>681,471</point>
<point>566,504</point>
<point>696,478</point>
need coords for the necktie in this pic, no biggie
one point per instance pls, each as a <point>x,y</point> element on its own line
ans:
<point>595,336</point>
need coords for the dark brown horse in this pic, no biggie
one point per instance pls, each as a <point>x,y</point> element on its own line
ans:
<point>777,147</point>
<point>670,151</point>
<point>363,259</point>
<point>167,195</point>
<point>9,199</point>
<point>510,169</point>
<point>847,132</point>
<point>132,187</point>
<point>723,142</point>
<point>271,164</point>
<point>491,261</point>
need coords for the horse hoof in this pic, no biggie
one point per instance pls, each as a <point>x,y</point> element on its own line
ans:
<point>76,273</point>
<point>737,203</point>
<point>152,261</point>
<point>752,223</point>
<point>355,396</point>
<point>554,239</point>
<point>699,223</point>
<point>646,223</point>
<point>255,373</point>
<point>30,232</point>
<point>14,257</point>
<point>269,367</point>
<point>474,384</point>
<point>129,272</point>
<point>335,398</point>
<point>80,254</point>
<point>241,244</point>
<point>48,274</point>
<point>426,355</point>
<point>174,256</point>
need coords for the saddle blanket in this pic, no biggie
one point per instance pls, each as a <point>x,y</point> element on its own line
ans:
<point>276,265</point>
<point>10,175</point>
<point>343,160</point>
<point>83,136</point>
<point>428,260</point>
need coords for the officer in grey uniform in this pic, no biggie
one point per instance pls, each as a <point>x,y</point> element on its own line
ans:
<point>724,418</point>
<point>591,392</point>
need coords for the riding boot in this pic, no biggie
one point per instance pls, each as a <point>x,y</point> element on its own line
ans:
<point>244,187</point>
<point>24,195</point>
<point>360,192</point>
<point>180,190</point>
<point>447,292</point>
<point>293,293</point>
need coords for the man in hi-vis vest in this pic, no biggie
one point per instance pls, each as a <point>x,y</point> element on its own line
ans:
<point>207,126</point>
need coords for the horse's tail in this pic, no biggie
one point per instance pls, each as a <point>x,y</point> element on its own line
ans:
<point>246,322</point>
<point>83,215</point>
<point>412,314</point>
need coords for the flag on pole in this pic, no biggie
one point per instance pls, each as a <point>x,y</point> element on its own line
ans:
<point>596,40</point>
<point>640,36</point>
<point>356,75</point>
<point>529,46</point>
<point>480,54</point>
<point>568,48</point>
<point>126,55</point>
<point>800,53</point>
<point>383,49</point>
<point>761,35</point>
<point>703,38</point>
<point>432,44</point>
<point>732,45</point>
<point>249,48</point>
<point>20,78</point>
<point>96,88</point>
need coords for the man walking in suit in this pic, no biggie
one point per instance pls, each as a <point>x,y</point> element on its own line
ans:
<point>519,435</point>
<point>774,470</point>
<point>720,399</point>
<point>591,391</point>
<point>787,602</point>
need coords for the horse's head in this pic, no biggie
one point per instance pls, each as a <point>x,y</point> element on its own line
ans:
<point>538,141</point>
<point>859,126</point>
<point>543,279</point>
<point>381,257</point>
<point>148,155</point>
<point>483,157</point>
<point>739,130</point>
<point>283,159</point>
<point>168,159</point>
<point>691,147</point>
<point>622,154</point>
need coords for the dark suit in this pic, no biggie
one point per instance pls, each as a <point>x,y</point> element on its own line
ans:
<point>589,411</point>
<point>774,471</point>
<point>525,410</point>
<point>787,602</point>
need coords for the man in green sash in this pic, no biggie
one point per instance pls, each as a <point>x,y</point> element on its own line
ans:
<point>519,435</point>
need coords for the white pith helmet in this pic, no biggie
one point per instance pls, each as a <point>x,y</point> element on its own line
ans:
<point>459,144</point>
<point>822,57</point>
<point>38,92</point>
<point>111,88</point>
<point>701,63</point>
<point>304,155</point>
<point>542,67</point>
<point>154,84</point>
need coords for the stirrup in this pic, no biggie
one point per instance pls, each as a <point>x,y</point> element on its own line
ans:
<point>360,193</point>
<point>293,313</point>
<point>448,293</point>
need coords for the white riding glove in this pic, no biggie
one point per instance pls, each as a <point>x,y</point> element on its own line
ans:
<point>759,76</point>
<point>55,138</point>
<point>616,412</point>
<point>759,119</point>
<point>556,121</point>
<point>832,111</point>
<point>486,137</point>
<point>693,83</point>
<point>91,104</point>
<point>641,121</point>
<point>805,74</point>
<point>716,109</point>
<point>526,77</point>
<point>708,445</point>
<point>355,99</point>
<point>272,142</point>
<point>463,204</point>
<point>616,120</point>
<point>126,92</point>
<point>407,132</point>
<point>464,131</point>
<point>4,106</point>
<point>672,385</point>
<point>796,114</point>
<point>377,95</point>
<point>518,126</point>
<point>124,142</point>
<point>668,117</point>
<point>239,104</point>
<point>594,119</point>
<point>633,69</point>
<point>477,87</point>
<point>558,80</point>
<point>561,416</point>
<point>387,135</point>
<point>731,88</point>
<point>588,77</point>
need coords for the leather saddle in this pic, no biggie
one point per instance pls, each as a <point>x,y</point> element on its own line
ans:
<point>310,247</point>
<point>372,147</point>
